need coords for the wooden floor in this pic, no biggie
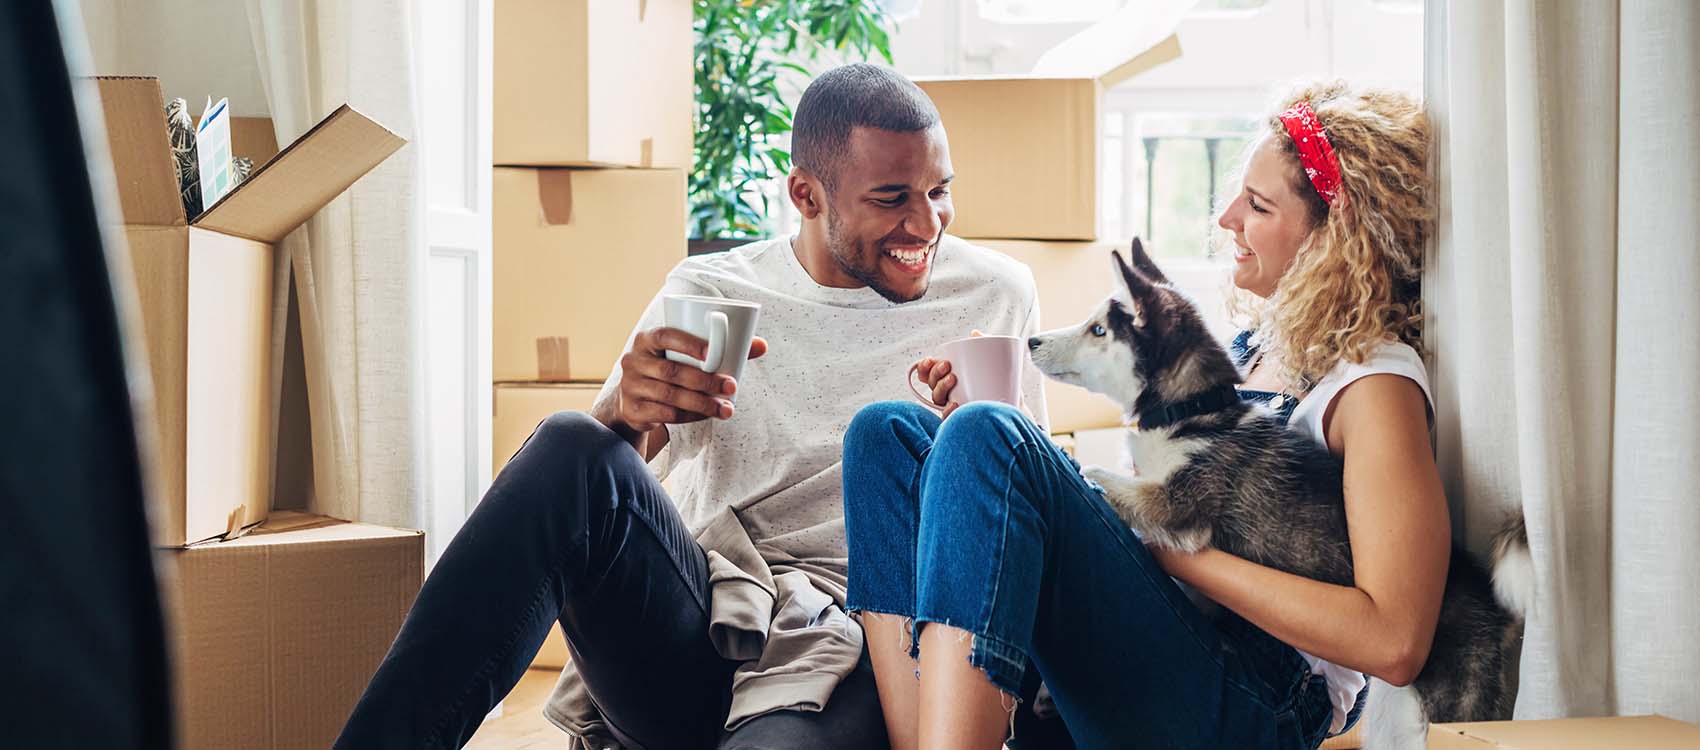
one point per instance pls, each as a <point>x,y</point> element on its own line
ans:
<point>521,725</point>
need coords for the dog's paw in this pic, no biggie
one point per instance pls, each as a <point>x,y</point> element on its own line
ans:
<point>1101,476</point>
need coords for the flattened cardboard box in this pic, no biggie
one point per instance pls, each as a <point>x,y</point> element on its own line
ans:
<point>1032,173</point>
<point>578,254</point>
<point>205,287</point>
<point>594,83</point>
<point>1638,732</point>
<point>276,634</point>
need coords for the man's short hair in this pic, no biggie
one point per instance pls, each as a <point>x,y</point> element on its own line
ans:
<point>850,96</point>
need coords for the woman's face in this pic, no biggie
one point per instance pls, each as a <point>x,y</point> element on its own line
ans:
<point>1269,221</point>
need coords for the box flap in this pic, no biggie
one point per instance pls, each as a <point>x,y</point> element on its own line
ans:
<point>1131,41</point>
<point>301,179</point>
<point>1642,732</point>
<point>291,527</point>
<point>141,150</point>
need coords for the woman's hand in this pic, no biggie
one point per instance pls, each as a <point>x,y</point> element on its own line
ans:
<point>1179,565</point>
<point>935,373</point>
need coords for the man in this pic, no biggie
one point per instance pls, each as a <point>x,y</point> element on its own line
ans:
<point>719,620</point>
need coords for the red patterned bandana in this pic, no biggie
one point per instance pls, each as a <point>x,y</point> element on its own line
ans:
<point>1316,154</point>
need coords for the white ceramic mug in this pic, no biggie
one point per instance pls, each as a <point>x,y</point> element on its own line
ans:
<point>728,325</point>
<point>987,368</point>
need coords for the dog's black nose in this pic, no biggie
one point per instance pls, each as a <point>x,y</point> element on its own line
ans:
<point>1033,343</point>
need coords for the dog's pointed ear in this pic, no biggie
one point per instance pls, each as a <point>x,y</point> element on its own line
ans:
<point>1136,288</point>
<point>1142,263</point>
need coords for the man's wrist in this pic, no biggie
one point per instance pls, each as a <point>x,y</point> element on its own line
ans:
<point>607,411</point>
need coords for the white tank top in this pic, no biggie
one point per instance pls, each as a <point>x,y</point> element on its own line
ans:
<point>1392,358</point>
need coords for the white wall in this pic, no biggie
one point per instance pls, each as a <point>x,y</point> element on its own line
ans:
<point>198,48</point>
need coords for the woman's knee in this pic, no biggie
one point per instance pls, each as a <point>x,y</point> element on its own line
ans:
<point>983,425</point>
<point>885,426</point>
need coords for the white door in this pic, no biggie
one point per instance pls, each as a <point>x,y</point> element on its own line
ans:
<point>454,54</point>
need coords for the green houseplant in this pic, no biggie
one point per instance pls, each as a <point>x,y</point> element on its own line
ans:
<point>748,52</point>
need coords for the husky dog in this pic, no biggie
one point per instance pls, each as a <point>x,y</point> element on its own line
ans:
<point>1217,472</point>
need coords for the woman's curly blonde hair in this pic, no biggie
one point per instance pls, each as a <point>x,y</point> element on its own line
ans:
<point>1355,282</point>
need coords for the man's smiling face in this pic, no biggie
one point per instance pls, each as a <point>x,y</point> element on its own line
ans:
<point>888,208</point>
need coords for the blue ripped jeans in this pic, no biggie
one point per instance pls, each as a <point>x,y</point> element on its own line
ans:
<point>983,524</point>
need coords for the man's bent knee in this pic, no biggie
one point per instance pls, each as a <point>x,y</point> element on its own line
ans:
<point>576,439</point>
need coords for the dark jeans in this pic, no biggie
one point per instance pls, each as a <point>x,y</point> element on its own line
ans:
<point>983,524</point>
<point>576,529</point>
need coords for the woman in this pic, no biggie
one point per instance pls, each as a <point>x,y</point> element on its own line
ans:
<point>980,534</point>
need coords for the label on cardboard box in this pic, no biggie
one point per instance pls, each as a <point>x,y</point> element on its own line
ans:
<point>212,152</point>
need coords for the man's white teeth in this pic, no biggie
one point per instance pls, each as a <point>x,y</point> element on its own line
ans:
<point>910,257</point>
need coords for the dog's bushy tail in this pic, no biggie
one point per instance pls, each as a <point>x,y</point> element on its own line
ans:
<point>1514,568</point>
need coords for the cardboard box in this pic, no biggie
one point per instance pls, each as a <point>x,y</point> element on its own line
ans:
<point>594,83</point>
<point>1065,442</point>
<point>253,137</point>
<point>1035,175</point>
<point>520,407</point>
<point>579,253</point>
<point>554,654</point>
<point>1639,732</point>
<point>276,634</point>
<point>205,287</point>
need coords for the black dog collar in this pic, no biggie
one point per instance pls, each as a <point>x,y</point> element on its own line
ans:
<point>1213,400</point>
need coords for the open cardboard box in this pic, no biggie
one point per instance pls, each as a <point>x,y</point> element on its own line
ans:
<point>205,287</point>
<point>276,634</point>
<point>593,83</point>
<point>1026,148</point>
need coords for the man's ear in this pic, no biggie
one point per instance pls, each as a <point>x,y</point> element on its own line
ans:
<point>806,193</point>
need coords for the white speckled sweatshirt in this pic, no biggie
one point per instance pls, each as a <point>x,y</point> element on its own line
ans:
<point>762,491</point>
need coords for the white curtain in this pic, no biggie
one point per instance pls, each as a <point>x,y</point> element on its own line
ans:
<point>360,260</point>
<point>1563,296</point>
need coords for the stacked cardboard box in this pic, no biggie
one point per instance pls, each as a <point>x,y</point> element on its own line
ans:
<point>593,136</point>
<point>275,632</point>
<point>1028,185</point>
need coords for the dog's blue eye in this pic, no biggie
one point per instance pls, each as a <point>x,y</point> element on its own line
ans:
<point>1098,329</point>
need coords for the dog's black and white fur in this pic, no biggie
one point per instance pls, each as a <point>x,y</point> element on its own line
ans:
<point>1218,472</point>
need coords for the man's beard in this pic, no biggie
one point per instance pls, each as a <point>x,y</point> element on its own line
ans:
<point>846,254</point>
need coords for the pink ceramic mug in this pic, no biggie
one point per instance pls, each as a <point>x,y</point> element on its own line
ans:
<point>987,368</point>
